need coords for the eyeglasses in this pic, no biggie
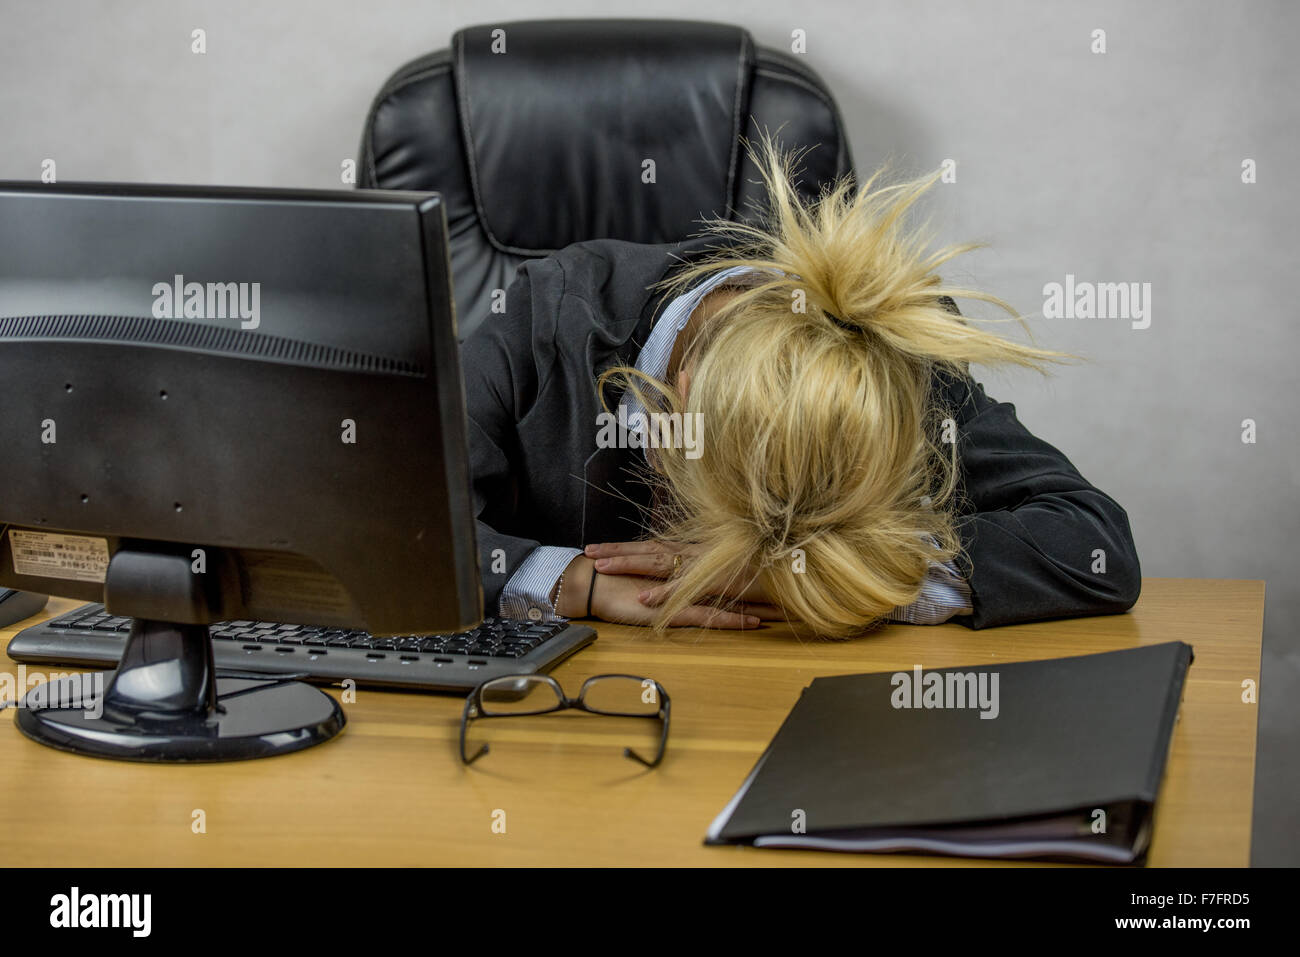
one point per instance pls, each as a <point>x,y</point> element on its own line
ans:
<point>623,696</point>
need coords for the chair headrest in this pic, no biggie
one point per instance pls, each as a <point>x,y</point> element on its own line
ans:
<point>633,133</point>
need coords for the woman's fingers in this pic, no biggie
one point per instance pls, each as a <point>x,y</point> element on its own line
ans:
<point>706,616</point>
<point>650,558</point>
<point>613,549</point>
<point>615,600</point>
<point>752,609</point>
<point>762,610</point>
<point>654,565</point>
<point>656,595</point>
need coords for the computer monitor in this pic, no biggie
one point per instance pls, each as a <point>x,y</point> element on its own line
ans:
<point>225,404</point>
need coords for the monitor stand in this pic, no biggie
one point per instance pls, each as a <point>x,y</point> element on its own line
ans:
<point>165,703</point>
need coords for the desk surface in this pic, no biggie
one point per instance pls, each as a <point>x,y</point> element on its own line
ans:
<point>391,790</point>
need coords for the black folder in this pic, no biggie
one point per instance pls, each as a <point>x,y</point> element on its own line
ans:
<point>1065,764</point>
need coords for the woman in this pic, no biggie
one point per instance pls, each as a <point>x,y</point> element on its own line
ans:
<point>817,451</point>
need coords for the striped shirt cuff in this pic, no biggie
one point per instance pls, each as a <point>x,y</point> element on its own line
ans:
<point>944,593</point>
<point>527,594</point>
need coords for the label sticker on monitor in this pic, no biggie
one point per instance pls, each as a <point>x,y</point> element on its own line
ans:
<point>49,555</point>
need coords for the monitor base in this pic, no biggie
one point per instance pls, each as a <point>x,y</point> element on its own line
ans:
<point>252,718</point>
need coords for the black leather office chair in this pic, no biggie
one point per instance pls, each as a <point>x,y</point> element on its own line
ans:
<point>545,144</point>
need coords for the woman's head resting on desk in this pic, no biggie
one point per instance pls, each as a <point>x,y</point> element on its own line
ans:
<point>824,469</point>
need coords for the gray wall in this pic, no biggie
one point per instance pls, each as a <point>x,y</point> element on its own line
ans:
<point>1117,167</point>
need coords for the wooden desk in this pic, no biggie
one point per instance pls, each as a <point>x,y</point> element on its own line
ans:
<point>391,791</point>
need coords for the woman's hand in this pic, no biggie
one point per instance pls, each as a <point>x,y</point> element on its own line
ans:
<point>616,599</point>
<point>651,559</point>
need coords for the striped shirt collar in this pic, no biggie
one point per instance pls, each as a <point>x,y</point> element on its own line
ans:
<point>658,348</point>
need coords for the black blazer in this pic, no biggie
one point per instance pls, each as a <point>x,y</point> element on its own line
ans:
<point>1032,521</point>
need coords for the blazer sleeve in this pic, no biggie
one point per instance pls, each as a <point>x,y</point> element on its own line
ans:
<point>501,384</point>
<point>1039,540</point>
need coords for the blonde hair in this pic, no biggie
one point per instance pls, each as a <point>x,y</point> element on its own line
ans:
<point>819,426</point>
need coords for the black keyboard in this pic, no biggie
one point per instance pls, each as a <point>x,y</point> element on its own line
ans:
<point>89,636</point>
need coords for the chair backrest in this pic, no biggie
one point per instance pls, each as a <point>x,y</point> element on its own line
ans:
<point>543,133</point>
